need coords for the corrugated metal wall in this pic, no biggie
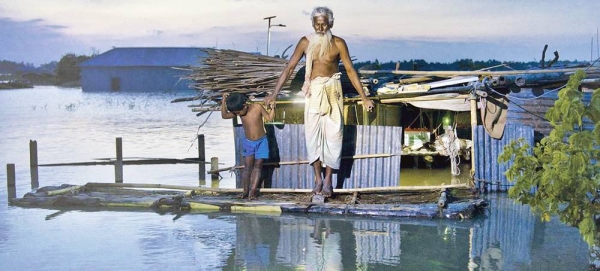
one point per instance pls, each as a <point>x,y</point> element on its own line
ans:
<point>526,115</point>
<point>489,173</point>
<point>287,143</point>
<point>532,105</point>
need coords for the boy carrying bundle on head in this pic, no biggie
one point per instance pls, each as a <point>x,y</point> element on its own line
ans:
<point>254,144</point>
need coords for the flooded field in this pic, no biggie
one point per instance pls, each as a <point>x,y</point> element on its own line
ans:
<point>72,126</point>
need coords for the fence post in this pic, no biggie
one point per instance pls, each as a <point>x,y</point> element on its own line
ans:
<point>119,161</point>
<point>214,165</point>
<point>10,181</point>
<point>33,164</point>
<point>201,160</point>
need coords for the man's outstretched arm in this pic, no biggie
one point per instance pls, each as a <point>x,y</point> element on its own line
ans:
<point>288,70</point>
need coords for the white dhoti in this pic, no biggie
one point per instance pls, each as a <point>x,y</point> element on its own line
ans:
<point>323,123</point>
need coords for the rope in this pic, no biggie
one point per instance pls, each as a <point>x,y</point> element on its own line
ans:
<point>452,148</point>
<point>420,112</point>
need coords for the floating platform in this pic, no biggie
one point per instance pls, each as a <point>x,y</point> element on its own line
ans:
<point>449,201</point>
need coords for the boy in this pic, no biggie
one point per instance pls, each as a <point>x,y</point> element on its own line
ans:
<point>254,144</point>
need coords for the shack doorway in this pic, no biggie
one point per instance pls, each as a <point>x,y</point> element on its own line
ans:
<point>436,147</point>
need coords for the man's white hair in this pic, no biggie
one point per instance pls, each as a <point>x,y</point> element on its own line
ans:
<point>322,11</point>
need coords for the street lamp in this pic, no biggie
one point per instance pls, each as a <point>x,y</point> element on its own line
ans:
<point>269,31</point>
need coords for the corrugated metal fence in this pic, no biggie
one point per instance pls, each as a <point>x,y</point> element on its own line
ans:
<point>531,108</point>
<point>288,146</point>
<point>489,173</point>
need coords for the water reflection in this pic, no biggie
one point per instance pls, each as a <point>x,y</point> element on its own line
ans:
<point>322,243</point>
<point>507,238</point>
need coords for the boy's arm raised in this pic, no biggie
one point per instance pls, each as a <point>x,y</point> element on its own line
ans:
<point>224,113</point>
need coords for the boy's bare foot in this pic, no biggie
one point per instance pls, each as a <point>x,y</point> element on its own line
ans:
<point>318,188</point>
<point>327,191</point>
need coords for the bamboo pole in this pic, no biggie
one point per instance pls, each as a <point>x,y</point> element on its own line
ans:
<point>282,190</point>
<point>72,190</point>
<point>443,198</point>
<point>414,80</point>
<point>424,98</point>
<point>488,73</point>
<point>362,156</point>
<point>147,161</point>
<point>473,127</point>
<point>163,186</point>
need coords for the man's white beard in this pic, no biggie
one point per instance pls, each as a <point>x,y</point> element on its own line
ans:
<point>319,44</point>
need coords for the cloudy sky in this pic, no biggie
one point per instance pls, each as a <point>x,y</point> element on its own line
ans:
<point>40,31</point>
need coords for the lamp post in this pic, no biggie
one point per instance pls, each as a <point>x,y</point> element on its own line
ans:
<point>269,31</point>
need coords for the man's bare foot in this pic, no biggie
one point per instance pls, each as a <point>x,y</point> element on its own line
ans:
<point>327,191</point>
<point>243,195</point>
<point>253,195</point>
<point>318,188</point>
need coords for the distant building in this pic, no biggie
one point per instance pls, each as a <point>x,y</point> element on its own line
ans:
<point>39,78</point>
<point>152,69</point>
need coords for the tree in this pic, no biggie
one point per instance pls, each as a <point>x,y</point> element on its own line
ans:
<point>67,69</point>
<point>562,169</point>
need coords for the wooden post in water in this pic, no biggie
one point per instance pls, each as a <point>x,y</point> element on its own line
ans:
<point>11,181</point>
<point>214,165</point>
<point>201,160</point>
<point>119,161</point>
<point>473,126</point>
<point>33,164</point>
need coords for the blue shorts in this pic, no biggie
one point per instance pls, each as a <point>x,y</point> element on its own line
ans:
<point>259,148</point>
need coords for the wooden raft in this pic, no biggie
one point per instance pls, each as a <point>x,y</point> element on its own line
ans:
<point>450,201</point>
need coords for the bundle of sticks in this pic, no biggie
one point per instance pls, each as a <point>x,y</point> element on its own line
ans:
<point>234,71</point>
<point>252,74</point>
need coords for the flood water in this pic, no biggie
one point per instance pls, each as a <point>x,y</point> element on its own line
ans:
<point>72,126</point>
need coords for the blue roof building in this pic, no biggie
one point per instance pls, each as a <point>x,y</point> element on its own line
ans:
<point>151,69</point>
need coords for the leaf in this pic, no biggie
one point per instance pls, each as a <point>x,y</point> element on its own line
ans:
<point>563,165</point>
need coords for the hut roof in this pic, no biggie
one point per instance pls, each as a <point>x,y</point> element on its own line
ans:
<point>147,56</point>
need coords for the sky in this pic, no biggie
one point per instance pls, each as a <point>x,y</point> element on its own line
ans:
<point>41,31</point>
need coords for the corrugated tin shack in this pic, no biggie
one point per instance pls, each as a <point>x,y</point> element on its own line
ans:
<point>433,118</point>
<point>153,69</point>
<point>505,106</point>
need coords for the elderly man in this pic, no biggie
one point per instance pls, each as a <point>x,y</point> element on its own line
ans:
<point>323,117</point>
